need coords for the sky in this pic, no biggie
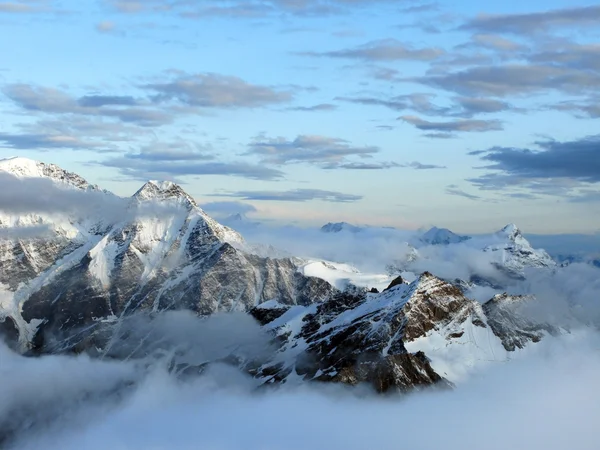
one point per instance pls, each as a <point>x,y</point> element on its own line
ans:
<point>400,113</point>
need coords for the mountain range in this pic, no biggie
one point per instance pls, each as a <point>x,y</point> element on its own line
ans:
<point>70,278</point>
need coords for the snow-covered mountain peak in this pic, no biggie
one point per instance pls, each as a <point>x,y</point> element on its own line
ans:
<point>164,190</point>
<point>511,231</point>
<point>340,226</point>
<point>442,236</point>
<point>28,168</point>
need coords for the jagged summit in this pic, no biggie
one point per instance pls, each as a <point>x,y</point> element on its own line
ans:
<point>511,231</point>
<point>163,190</point>
<point>30,168</point>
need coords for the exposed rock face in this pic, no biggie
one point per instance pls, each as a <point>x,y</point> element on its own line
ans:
<point>513,329</point>
<point>384,338</point>
<point>354,338</point>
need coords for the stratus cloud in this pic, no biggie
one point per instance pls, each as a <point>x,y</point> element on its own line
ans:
<point>295,195</point>
<point>384,50</point>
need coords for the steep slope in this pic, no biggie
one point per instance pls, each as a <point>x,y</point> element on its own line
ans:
<point>31,243</point>
<point>410,335</point>
<point>166,253</point>
<point>512,253</point>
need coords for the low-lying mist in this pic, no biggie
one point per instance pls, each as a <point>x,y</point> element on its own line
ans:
<point>546,399</point>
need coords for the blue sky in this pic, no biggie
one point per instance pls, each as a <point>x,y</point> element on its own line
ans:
<point>399,113</point>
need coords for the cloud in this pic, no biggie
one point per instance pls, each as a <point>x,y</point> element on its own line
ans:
<point>454,126</point>
<point>589,109</point>
<point>97,101</point>
<point>20,196</point>
<point>527,23</point>
<point>78,402</point>
<point>25,232</point>
<point>106,27</point>
<point>383,50</point>
<point>170,160</point>
<point>421,103</point>
<point>495,42</point>
<point>26,141</point>
<point>478,105</point>
<point>567,169</point>
<point>440,135</point>
<point>142,167</point>
<point>224,209</point>
<point>578,160</point>
<point>398,103</point>
<point>515,79</point>
<point>454,190</point>
<point>242,8</point>
<point>324,151</point>
<point>54,101</point>
<point>295,195</point>
<point>364,166</point>
<point>384,165</point>
<point>419,166</point>
<point>314,108</point>
<point>571,55</point>
<point>24,6</point>
<point>211,90</point>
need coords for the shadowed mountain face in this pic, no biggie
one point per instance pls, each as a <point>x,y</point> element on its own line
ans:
<point>73,288</point>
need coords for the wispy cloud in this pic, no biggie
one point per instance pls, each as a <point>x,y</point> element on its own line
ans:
<point>314,108</point>
<point>295,195</point>
<point>323,151</point>
<point>384,50</point>
<point>454,125</point>
<point>242,8</point>
<point>179,159</point>
<point>421,103</point>
<point>454,190</point>
<point>106,26</point>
